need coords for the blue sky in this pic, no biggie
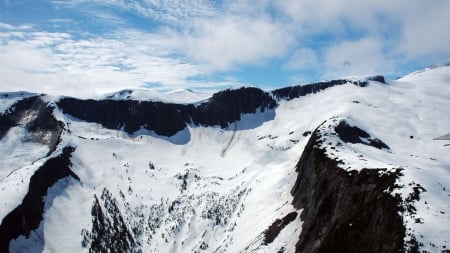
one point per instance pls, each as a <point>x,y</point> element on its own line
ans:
<point>86,48</point>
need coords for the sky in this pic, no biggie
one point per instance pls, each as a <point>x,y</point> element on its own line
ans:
<point>90,47</point>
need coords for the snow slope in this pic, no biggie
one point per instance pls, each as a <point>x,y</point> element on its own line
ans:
<point>179,96</point>
<point>221,190</point>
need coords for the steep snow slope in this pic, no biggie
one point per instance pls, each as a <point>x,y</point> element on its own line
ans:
<point>224,189</point>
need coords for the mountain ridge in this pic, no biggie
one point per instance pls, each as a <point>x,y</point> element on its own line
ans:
<point>236,173</point>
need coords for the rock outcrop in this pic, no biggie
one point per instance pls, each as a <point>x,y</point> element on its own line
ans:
<point>345,211</point>
<point>354,134</point>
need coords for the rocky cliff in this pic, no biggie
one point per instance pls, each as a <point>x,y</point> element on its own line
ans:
<point>167,119</point>
<point>345,211</point>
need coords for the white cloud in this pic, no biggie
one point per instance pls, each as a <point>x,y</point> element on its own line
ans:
<point>426,31</point>
<point>11,27</point>
<point>413,28</point>
<point>361,57</point>
<point>302,59</point>
<point>228,34</point>
<point>174,10</point>
<point>202,39</point>
<point>227,42</point>
<point>219,35</point>
<point>6,26</point>
<point>56,63</point>
<point>167,11</point>
<point>337,16</point>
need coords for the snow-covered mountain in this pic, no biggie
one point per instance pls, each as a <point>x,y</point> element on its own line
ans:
<point>351,165</point>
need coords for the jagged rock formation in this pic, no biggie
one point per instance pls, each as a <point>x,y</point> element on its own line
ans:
<point>345,211</point>
<point>28,215</point>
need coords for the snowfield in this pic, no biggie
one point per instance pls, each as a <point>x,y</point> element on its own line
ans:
<point>209,189</point>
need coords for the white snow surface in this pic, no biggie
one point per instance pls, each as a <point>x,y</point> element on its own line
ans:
<point>19,158</point>
<point>179,96</point>
<point>224,187</point>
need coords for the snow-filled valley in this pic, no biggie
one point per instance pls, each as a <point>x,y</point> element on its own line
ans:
<point>213,188</point>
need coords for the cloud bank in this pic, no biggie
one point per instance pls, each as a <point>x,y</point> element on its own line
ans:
<point>86,48</point>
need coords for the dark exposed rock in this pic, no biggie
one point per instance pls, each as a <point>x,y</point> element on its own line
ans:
<point>28,215</point>
<point>164,119</point>
<point>273,230</point>
<point>36,116</point>
<point>167,119</point>
<point>353,134</point>
<point>292,92</point>
<point>345,211</point>
<point>379,79</point>
<point>227,106</point>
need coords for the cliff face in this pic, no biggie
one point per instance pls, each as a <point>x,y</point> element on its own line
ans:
<point>28,215</point>
<point>167,119</point>
<point>227,106</point>
<point>164,119</point>
<point>292,92</point>
<point>345,211</point>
